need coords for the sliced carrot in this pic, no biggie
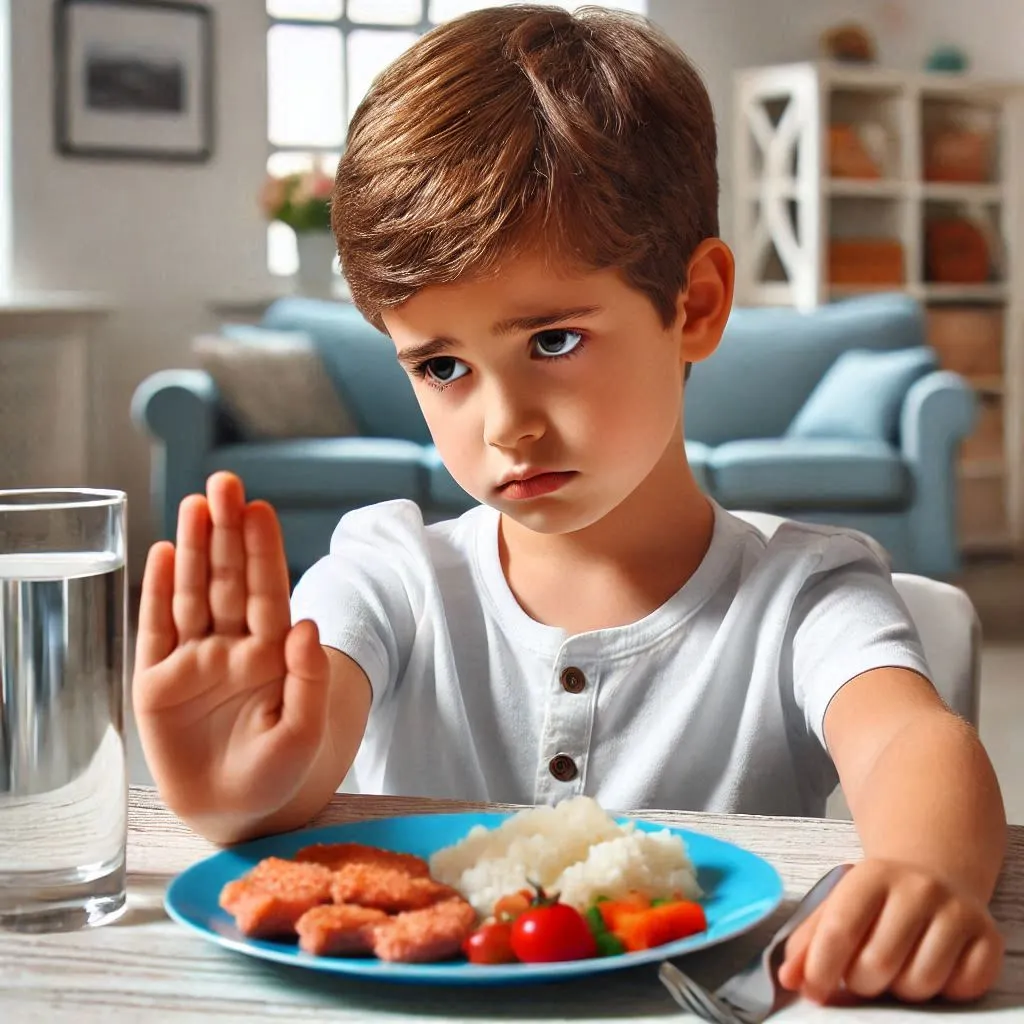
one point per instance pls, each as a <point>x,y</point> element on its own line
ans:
<point>644,929</point>
<point>613,911</point>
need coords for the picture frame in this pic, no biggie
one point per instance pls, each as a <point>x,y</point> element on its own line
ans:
<point>134,80</point>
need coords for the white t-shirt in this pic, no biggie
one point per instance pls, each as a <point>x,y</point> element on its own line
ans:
<point>715,701</point>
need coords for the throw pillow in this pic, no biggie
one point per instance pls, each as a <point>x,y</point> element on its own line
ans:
<point>273,385</point>
<point>861,395</point>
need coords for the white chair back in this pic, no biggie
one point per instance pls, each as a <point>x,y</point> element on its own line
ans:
<point>946,622</point>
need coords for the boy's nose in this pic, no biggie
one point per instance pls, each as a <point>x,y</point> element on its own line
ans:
<point>511,418</point>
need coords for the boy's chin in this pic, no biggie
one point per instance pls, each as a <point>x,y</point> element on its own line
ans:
<point>550,517</point>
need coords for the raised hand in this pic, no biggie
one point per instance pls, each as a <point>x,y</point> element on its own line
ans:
<point>230,699</point>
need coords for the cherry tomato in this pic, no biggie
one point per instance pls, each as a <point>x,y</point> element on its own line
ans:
<point>552,931</point>
<point>490,944</point>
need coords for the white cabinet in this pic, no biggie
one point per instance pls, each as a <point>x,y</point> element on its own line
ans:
<point>853,178</point>
<point>44,391</point>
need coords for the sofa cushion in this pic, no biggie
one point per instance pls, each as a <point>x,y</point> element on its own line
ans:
<point>770,359</point>
<point>273,384</point>
<point>442,490</point>
<point>862,394</point>
<point>781,473</point>
<point>346,470</point>
<point>360,360</point>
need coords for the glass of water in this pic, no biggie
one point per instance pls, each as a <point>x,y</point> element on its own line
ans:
<point>63,780</point>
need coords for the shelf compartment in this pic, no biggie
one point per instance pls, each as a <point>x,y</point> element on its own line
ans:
<point>968,339</point>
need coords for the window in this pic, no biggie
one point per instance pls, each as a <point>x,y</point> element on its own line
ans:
<point>322,56</point>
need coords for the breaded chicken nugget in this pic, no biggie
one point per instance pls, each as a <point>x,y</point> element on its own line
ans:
<point>270,899</point>
<point>423,936</point>
<point>338,929</point>
<point>383,888</point>
<point>338,855</point>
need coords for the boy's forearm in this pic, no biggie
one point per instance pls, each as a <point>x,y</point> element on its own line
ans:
<point>932,799</point>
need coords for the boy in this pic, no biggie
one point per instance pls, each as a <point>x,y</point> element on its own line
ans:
<point>527,206</point>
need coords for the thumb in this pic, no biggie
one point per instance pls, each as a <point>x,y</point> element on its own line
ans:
<point>306,682</point>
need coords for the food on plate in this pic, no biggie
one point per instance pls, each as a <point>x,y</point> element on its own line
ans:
<point>640,927</point>
<point>550,930</point>
<point>339,855</point>
<point>549,884</point>
<point>575,849</point>
<point>269,901</point>
<point>491,943</point>
<point>421,936</point>
<point>385,888</point>
<point>346,899</point>
<point>338,929</point>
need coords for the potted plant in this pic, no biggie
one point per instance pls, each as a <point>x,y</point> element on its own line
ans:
<point>302,201</point>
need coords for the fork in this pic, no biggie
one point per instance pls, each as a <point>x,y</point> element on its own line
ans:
<point>752,994</point>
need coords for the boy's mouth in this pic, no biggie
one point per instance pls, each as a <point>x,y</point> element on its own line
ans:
<point>534,483</point>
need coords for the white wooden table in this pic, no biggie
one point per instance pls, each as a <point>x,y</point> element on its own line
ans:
<point>146,968</point>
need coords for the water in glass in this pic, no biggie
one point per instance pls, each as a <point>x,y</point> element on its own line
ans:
<point>63,790</point>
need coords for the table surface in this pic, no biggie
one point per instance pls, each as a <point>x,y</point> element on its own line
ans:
<point>144,967</point>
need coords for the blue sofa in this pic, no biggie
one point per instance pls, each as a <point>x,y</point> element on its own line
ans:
<point>739,406</point>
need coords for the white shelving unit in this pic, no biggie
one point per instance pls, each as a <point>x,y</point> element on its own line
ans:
<point>790,210</point>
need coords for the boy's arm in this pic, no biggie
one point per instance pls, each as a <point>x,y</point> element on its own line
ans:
<point>918,781</point>
<point>912,918</point>
<point>348,710</point>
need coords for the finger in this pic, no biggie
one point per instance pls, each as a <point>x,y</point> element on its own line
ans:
<point>191,605</point>
<point>889,948</point>
<point>977,970</point>
<point>846,918</point>
<point>157,636</point>
<point>791,973</point>
<point>305,697</point>
<point>226,498</point>
<point>305,686</point>
<point>929,969</point>
<point>268,611</point>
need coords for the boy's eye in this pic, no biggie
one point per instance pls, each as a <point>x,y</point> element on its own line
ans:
<point>444,369</point>
<point>556,342</point>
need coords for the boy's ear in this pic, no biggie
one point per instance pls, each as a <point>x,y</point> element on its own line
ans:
<point>704,304</point>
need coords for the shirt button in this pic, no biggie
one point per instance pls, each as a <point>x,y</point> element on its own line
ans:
<point>563,767</point>
<point>573,680</point>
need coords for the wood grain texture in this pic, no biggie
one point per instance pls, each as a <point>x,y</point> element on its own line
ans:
<point>146,968</point>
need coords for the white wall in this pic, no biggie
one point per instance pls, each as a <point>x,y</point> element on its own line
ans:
<point>163,241</point>
<point>160,240</point>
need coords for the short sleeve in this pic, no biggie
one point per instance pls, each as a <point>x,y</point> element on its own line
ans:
<point>361,594</point>
<point>848,619</point>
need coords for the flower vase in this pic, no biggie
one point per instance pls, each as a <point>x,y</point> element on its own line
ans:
<point>317,251</point>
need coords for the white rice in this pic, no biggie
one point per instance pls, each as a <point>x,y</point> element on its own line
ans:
<point>574,849</point>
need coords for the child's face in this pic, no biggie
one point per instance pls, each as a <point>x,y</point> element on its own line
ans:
<point>550,395</point>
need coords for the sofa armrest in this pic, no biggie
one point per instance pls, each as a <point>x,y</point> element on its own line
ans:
<point>179,409</point>
<point>939,411</point>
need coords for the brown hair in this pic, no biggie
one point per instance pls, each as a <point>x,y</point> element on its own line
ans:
<point>590,134</point>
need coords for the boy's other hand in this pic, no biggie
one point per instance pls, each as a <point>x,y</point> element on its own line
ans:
<point>892,928</point>
<point>230,698</point>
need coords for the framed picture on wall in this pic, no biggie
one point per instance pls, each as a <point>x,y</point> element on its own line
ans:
<point>134,79</point>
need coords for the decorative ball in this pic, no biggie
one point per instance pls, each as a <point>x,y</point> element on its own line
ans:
<point>849,42</point>
<point>947,58</point>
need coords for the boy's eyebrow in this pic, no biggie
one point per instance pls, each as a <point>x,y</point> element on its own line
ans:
<point>415,354</point>
<point>540,320</point>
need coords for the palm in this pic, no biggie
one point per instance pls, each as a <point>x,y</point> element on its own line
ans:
<point>225,689</point>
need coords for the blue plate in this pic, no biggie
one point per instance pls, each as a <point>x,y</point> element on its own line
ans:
<point>741,891</point>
